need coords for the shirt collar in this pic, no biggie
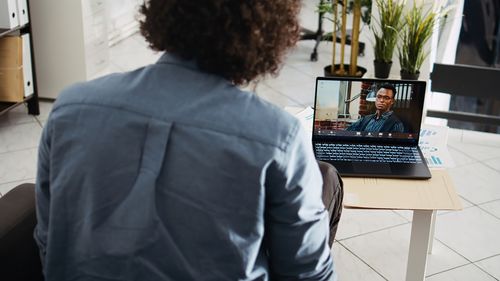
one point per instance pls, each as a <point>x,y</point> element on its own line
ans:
<point>168,58</point>
<point>384,115</point>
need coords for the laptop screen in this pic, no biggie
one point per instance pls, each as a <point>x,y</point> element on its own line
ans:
<point>357,109</point>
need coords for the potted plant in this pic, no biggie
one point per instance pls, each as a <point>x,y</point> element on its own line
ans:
<point>419,24</point>
<point>386,32</point>
<point>339,9</point>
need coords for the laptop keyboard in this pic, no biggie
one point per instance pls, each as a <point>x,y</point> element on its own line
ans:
<point>367,153</point>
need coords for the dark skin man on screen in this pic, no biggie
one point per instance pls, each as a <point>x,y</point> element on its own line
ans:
<point>384,119</point>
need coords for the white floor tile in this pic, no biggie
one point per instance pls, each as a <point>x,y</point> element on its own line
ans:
<point>274,97</point>
<point>45,109</point>
<point>491,265</point>
<point>16,116</point>
<point>43,122</point>
<point>406,214</point>
<point>473,233</point>
<point>477,151</point>
<point>492,207</point>
<point>493,163</point>
<point>358,221</point>
<point>130,54</point>
<point>300,57</point>
<point>468,272</point>
<point>476,182</point>
<point>139,38</point>
<point>6,187</point>
<point>459,157</point>
<point>387,252</point>
<point>300,90</point>
<point>481,138</point>
<point>351,268</point>
<point>19,137</point>
<point>18,165</point>
<point>309,17</point>
<point>287,79</point>
<point>455,135</point>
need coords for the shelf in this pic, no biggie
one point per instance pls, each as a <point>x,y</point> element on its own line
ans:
<point>4,32</point>
<point>6,106</point>
<point>31,100</point>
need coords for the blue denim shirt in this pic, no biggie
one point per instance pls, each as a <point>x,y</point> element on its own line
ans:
<point>170,173</point>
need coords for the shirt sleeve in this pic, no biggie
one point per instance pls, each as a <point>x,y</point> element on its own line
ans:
<point>297,226</point>
<point>42,192</point>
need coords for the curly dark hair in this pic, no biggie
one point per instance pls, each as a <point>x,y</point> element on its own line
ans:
<point>239,40</point>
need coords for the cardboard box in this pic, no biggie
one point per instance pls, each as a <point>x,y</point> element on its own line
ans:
<point>11,52</point>
<point>437,193</point>
<point>11,85</point>
<point>11,69</point>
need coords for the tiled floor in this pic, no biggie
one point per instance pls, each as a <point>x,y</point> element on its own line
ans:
<point>371,245</point>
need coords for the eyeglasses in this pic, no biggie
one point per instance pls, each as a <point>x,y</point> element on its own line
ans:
<point>385,98</point>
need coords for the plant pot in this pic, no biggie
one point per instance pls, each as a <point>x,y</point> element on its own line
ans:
<point>409,76</point>
<point>382,68</point>
<point>328,73</point>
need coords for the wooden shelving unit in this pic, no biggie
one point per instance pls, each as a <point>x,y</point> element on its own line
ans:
<point>31,100</point>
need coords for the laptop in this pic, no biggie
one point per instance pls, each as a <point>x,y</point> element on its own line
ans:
<point>370,127</point>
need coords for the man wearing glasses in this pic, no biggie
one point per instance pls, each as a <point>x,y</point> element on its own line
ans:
<point>384,119</point>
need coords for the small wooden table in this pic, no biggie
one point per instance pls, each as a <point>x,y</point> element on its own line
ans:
<point>423,197</point>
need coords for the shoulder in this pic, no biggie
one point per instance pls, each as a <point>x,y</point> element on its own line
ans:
<point>262,120</point>
<point>395,118</point>
<point>367,118</point>
<point>94,91</point>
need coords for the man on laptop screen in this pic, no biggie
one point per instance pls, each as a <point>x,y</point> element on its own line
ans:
<point>368,127</point>
<point>384,119</point>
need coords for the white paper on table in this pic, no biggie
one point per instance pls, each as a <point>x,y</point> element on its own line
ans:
<point>432,142</point>
<point>305,116</point>
<point>306,119</point>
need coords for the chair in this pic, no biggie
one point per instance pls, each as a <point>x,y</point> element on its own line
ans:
<point>19,257</point>
<point>318,36</point>
<point>333,194</point>
<point>468,81</point>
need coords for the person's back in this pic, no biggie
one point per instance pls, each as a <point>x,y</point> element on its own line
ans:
<point>171,173</point>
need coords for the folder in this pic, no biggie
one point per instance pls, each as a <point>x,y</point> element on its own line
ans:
<point>11,69</point>
<point>22,12</point>
<point>8,14</point>
<point>16,75</point>
<point>27,69</point>
<point>10,52</point>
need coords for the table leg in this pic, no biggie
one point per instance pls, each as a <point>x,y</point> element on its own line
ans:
<point>419,244</point>
<point>433,227</point>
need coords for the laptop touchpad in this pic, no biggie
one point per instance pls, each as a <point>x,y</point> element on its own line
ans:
<point>372,168</point>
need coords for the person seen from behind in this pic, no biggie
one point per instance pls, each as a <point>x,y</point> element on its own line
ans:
<point>172,172</point>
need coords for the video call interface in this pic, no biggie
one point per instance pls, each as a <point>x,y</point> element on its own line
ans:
<point>368,109</point>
